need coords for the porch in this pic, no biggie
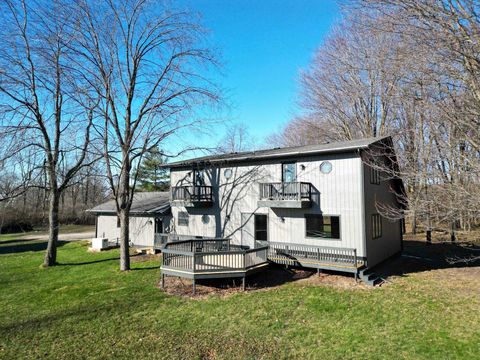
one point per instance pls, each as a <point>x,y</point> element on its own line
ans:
<point>294,195</point>
<point>192,196</point>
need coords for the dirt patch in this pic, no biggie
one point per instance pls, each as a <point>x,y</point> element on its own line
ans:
<point>142,257</point>
<point>269,279</point>
<point>344,281</point>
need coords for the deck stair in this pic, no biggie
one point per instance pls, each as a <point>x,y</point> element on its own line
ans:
<point>369,277</point>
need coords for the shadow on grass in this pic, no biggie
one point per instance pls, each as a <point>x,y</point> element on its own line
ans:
<point>16,241</point>
<point>147,268</point>
<point>417,256</point>
<point>27,245</point>
<point>88,262</point>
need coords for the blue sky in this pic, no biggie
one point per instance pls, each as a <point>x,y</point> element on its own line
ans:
<point>263,46</point>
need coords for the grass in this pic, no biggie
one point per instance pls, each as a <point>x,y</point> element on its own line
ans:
<point>86,308</point>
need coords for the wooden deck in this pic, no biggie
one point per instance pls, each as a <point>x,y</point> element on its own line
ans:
<point>217,258</point>
<point>210,258</point>
<point>317,257</point>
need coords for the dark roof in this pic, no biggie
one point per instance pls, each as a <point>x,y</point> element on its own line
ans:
<point>154,203</point>
<point>334,147</point>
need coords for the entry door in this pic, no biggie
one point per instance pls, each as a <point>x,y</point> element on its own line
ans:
<point>261,229</point>
<point>158,226</point>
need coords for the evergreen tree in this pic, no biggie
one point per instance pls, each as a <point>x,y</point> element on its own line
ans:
<point>151,176</point>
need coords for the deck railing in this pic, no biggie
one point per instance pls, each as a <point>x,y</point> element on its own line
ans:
<point>316,256</point>
<point>286,191</point>
<point>210,255</point>
<point>160,239</point>
<point>192,193</point>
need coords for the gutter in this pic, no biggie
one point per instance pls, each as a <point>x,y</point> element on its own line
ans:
<point>253,157</point>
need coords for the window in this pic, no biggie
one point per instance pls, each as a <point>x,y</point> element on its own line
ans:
<point>118,221</point>
<point>158,226</point>
<point>376,226</point>
<point>322,226</point>
<point>261,227</point>
<point>289,172</point>
<point>228,173</point>
<point>182,218</point>
<point>374,176</point>
<point>326,167</point>
<point>198,178</point>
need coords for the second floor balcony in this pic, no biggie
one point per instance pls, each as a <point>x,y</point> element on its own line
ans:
<point>191,196</point>
<point>285,195</point>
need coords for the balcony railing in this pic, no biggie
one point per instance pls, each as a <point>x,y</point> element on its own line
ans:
<point>193,194</point>
<point>296,191</point>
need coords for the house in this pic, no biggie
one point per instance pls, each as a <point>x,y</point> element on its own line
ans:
<point>149,218</point>
<point>316,206</point>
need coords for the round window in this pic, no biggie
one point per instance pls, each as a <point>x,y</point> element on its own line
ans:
<point>326,167</point>
<point>205,219</point>
<point>228,173</point>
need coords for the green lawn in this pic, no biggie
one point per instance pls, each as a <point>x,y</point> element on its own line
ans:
<point>86,308</point>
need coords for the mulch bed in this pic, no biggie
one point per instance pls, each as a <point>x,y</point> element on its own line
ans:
<point>269,279</point>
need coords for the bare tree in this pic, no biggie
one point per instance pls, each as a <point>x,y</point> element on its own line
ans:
<point>237,138</point>
<point>150,63</point>
<point>407,69</point>
<point>45,103</point>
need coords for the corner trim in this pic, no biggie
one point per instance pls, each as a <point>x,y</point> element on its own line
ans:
<point>362,207</point>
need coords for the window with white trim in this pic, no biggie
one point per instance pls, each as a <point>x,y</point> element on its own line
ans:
<point>322,226</point>
<point>374,176</point>
<point>376,226</point>
<point>182,218</point>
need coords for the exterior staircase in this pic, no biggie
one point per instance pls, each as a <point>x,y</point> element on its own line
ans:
<point>370,278</point>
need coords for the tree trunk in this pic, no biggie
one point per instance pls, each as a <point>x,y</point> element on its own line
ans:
<point>51,254</point>
<point>124,212</point>
<point>124,240</point>
<point>414,222</point>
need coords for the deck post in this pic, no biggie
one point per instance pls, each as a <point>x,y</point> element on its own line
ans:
<point>286,261</point>
<point>243,283</point>
<point>193,287</point>
<point>163,281</point>
<point>356,264</point>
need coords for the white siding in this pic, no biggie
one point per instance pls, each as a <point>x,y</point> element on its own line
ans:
<point>141,228</point>
<point>338,193</point>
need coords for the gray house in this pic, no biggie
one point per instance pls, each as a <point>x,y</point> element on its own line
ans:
<point>150,217</point>
<point>316,206</point>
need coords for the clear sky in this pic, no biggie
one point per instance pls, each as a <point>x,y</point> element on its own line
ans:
<point>263,46</point>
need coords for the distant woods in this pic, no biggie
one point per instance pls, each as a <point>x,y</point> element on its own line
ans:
<point>30,208</point>
<point>410,69</point>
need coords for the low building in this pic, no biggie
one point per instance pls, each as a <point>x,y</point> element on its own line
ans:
<point>150,216</point>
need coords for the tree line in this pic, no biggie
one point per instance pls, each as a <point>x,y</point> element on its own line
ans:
<point>410,69</point>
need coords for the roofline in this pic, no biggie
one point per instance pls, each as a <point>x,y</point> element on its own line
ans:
<point>113,212</point>
<point>249,156</point>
